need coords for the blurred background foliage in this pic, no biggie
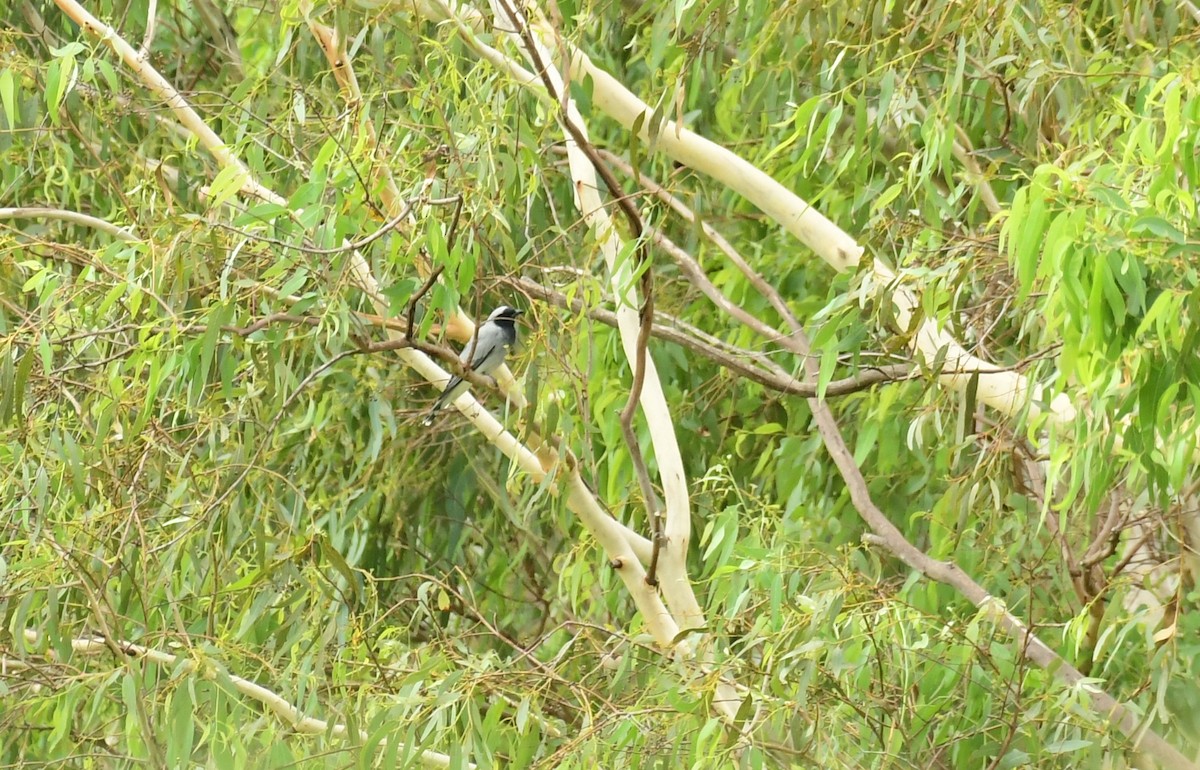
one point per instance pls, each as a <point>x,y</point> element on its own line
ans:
<point>267,504</point>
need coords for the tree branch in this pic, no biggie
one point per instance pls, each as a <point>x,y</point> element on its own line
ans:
<point>736,360</point>
<point>74,217</point>
<point>279,706</point>
<point>653,508</point>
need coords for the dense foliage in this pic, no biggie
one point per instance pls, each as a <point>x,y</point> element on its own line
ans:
<point>261,500</point>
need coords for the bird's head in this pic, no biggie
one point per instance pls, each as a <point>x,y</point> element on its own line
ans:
<point>505,314</point>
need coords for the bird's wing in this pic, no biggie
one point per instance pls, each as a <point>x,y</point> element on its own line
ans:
<point>489,356</point>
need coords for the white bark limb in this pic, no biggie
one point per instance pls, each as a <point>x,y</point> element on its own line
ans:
<point>1005,391</point>
<point>672,569</point>
<point>74,217</point>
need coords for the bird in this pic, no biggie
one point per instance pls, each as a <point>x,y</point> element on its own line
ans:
<point>483,354</point>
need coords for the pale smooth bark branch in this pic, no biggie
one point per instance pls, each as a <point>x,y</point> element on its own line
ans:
<point>677,529</point>
<point>441,10</point>
<point>335,52</point>
<point>581,143</point>
<point>74,217</point>
<point>625,552</point>
<point>284,711</point>
<point>1001,388</point>
<point>162,88</point>
<point>151,20</point>
<point>593,515</point>
<point>800,218</point>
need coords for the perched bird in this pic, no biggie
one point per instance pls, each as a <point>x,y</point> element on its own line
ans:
<point>483,354</point>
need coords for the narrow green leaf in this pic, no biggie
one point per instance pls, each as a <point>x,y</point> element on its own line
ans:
<point>228,182</point>
<point>1066,746</point>
<point>182,725</point>
<point>8,97</point>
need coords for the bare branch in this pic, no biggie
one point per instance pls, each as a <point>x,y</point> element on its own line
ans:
<point>151,20</point>
<point>74,217</point>
<point>734,359</point>
<point>410,313</point>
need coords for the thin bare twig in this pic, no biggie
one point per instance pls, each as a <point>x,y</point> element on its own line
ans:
<point>265,321</point>
<point>1107,538</point>
<point>745,363</point>
<point>453,235</point>
<point>411,312</point>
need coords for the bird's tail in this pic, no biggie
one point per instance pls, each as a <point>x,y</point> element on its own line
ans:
<point>437,406</point>
<point>453,390</point>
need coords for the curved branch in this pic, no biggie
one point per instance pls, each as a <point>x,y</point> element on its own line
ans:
<point>74,217</point>
<point>162,88</point>
<point>1006,391</point>
<point>286,712</point>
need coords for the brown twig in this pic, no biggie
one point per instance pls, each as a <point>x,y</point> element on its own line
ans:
<point>264,322</point>
<point>1108,535</point>
<point>453,235</point>
<point>411,312</point>
<point>746,363</point>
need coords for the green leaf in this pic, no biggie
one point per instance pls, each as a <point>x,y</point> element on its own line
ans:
<point>8,97</point>
<point>68,51</point>
<point>228,182</point>
<point>340,565</point>
<point>1066,746</point>
<point>1157,227</point>
<point>59,78</point>
<point>829,360</point>
<point>182,725</point>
